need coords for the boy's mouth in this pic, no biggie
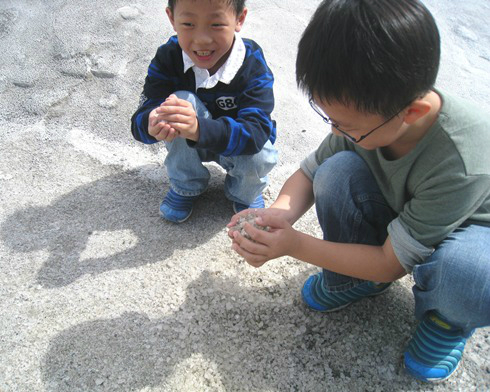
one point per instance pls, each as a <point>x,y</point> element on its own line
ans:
<point>203,54</point>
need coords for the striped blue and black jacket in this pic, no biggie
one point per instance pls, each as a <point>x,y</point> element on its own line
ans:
<point>241,130</point>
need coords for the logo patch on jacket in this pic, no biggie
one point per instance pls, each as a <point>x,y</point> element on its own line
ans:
<point>226,103</point>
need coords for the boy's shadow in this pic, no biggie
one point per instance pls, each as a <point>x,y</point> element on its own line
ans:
<point>121,213</point>
<point>251,338</point>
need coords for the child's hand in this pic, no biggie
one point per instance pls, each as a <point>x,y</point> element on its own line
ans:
<point>159,129</point>
<point>256,211</point>
<point>280,240</point>
<point>180,115</point>
<point>234,220</point>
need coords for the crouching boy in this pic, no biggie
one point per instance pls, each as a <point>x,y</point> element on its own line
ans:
<point>401,185</point>
<point>208,95</point>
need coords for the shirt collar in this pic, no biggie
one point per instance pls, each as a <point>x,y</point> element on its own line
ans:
<point>225,73</point>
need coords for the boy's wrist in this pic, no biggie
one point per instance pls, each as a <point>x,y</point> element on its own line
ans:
<point>296,248</point>
<point>195,132</point>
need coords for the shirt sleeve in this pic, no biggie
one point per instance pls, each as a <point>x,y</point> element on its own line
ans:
<point>330,145</point>
<point>408,250</point>
<point>442,205</point>
<point>434,212</point>
<point>309,166</point>
<point>247,133</point>
<point>161,81</point>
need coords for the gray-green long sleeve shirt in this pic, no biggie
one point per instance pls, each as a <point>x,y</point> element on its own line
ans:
<point>439,185</point>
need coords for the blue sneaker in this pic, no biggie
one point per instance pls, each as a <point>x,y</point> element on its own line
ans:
<point>177,208</point>
<point>435,351</point>
<point>257,203</point>
<point>316,296</point>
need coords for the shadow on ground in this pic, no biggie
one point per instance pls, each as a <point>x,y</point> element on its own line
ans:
<point>122,207</point>
<point>246,335</point>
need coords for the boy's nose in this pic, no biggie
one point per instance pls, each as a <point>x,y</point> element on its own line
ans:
<point>202,37</point>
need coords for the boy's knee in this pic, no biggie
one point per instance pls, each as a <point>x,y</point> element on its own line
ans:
<point>197,104</point>
<point>266,159</point>
<point>452,268</point>
<point>337,169</point>
<point>256,165</point>
<point>345,159</point>
<point>186,95</point>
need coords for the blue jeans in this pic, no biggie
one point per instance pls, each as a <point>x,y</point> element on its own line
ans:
<point>246,175</point>
<point>454,280</point>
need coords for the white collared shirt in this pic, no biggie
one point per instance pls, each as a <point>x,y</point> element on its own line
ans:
<point>225,73</point>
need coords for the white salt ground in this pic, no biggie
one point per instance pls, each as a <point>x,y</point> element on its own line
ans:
<point>97,293</point>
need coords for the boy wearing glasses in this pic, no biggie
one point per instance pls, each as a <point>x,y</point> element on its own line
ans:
<point>208,95</point>
<point>401,185</point>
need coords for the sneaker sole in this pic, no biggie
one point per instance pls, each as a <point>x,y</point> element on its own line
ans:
<point>426,379</point>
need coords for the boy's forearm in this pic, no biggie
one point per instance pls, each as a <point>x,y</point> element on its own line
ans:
<point>369,262</point>
<point>376,263</point>
<point>296,196</point>
<point>139,125</point>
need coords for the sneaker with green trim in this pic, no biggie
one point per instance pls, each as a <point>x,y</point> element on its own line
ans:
<point>435,351</point>
<point>318,298</point>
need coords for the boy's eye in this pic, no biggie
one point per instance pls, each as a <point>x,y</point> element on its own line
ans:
<point>187,24</point>
<point>217,25</point>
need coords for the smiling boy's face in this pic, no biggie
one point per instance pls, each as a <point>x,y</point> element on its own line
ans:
<point>206,30</point>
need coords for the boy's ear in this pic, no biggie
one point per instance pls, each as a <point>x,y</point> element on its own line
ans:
<point>241,20</point>
<point>417,109</point>
<point>170,16</point>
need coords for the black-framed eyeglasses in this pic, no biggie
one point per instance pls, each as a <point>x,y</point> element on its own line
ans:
<point>329,121</point>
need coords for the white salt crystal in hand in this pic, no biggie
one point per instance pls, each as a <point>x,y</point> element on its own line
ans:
<point>249,218</point>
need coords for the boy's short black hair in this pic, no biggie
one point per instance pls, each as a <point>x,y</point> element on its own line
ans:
<point>377,55</point>
<point>238,5</point>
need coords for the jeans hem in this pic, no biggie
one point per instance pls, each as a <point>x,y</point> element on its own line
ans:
<point>353,282</point>
<point>187,193</point>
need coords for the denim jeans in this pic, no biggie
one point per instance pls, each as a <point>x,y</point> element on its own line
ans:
<point>246,175</point>
<point>454,280</point>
